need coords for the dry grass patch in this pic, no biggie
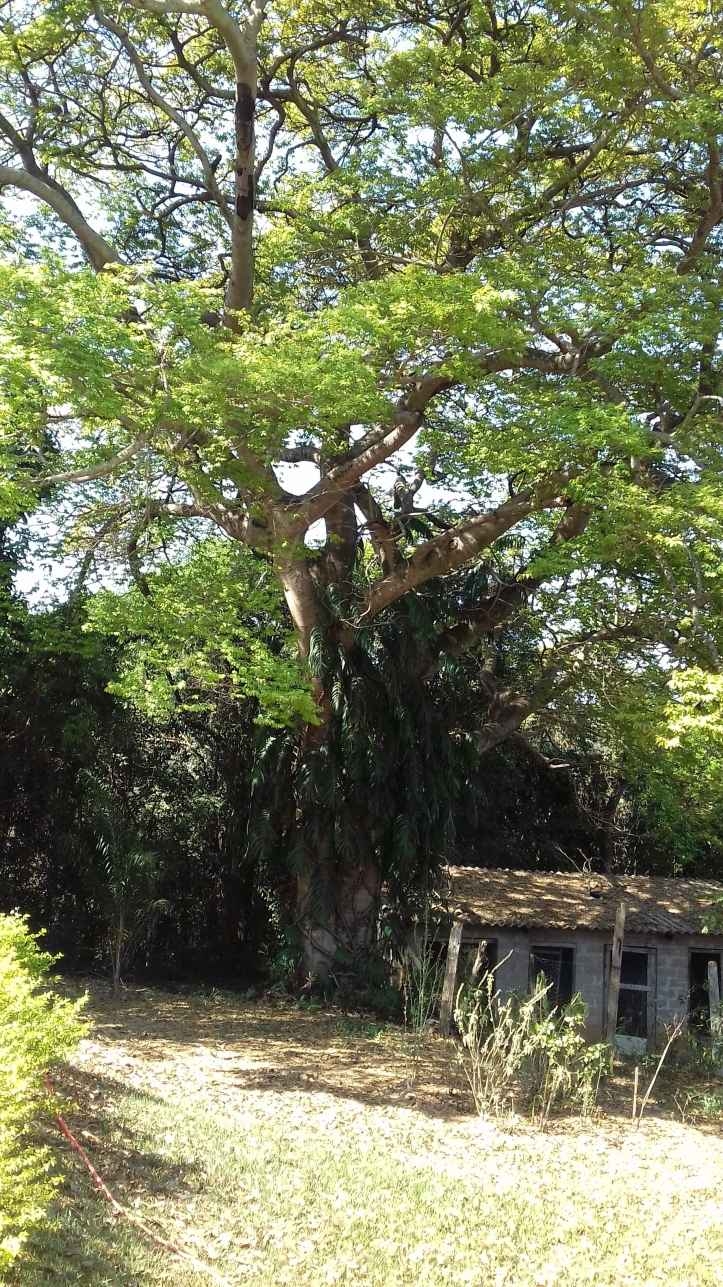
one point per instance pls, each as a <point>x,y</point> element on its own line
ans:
<point>291,1146</point>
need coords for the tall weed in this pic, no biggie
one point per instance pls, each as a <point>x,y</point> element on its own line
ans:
<point>524,1053</point>
<point>423,979</point>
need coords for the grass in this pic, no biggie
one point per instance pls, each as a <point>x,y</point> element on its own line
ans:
<point>287,1148</point>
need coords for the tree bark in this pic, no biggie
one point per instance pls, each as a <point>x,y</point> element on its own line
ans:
<point>241,282</point>
<point>337,911</point>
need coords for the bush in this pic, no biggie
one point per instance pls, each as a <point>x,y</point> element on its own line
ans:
<point>36,1029</point>
<point>525,1053</point>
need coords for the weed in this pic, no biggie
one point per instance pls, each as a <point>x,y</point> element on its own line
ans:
<point>699,1105</point>
<point>522,1052</point>
<point>423,978</point>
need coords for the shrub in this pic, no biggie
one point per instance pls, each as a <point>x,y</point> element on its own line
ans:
<point>524,1053</point>
<point>562,1068</point>
<point>36,1029</point>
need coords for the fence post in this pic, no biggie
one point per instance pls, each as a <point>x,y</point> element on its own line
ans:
<point>450,978</point>
<point>716,1018</point>
<point>616,960</point>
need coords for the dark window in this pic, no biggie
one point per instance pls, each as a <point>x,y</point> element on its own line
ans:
<point>558,966</point>
<point>633,1013</point>
<point>634,969</point>
<point>487,952</point>
<point>699,1004</point>
<point>634,993</point>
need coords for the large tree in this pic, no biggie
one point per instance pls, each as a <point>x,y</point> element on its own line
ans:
<point>390,294</point>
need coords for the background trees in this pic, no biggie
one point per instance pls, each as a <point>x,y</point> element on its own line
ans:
<point>416,309</point>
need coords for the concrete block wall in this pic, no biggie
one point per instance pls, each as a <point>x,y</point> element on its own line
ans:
<point>589,980</point>
<point>671,995</point>
<point>668,968</point>
<point>513,974</point>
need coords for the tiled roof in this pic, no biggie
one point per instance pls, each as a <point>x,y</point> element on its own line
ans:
<point>568,900</point>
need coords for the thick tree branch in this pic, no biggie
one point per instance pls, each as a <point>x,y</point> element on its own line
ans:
<point>508,710</point>
<point>240,40</point>
<point>406,420</point>
<point>712,214</point>
<point>381,532</point>
<point>97,250</point>
<point>452,549</point>
<point>496,609</point>
<point>341,478</point>
<point>101,470</point>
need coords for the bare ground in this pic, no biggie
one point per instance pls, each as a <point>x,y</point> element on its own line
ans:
<point>253,1062</point>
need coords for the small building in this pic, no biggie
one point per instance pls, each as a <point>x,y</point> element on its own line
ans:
<point>561,925</point>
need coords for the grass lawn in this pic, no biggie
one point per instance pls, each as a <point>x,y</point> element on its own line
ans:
<point>286,1146</point>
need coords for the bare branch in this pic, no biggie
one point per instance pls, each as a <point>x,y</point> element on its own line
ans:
<point>177,117</point>
<point>98,251</point>
<point>101,470</point>
<point>509,711</point>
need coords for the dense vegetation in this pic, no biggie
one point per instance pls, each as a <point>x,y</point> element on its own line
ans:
<point>37,1030</point>
<point>365,363</point>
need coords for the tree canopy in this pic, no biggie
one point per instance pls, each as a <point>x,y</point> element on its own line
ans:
<point>409,312</point>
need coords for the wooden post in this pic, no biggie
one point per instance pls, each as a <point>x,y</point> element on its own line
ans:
<point>480,961</point>
<point>716,1019</point>
<point>616,960</point>
<point>450,978</point>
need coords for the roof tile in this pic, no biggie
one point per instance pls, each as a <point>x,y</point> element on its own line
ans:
<point>569,900</point>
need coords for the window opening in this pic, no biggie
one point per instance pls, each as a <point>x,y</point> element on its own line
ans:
<point>557,964</point>
<point>488,951</point>
<point>698,1003</point>
<point>634,994</point>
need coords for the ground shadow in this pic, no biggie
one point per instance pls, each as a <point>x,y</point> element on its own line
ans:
<point>230,1044</point>
<point>276,1045</point>
<point>83,1243</point>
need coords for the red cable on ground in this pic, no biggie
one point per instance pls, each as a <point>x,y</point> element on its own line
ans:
<point>122,1212</point>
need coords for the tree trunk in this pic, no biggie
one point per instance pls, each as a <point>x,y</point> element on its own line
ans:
<point>316,913</point>
<point>337,902</point>
<point>117,953</point>
<point>358,891</point>
<point>241,282</point>
<point>337,910</point>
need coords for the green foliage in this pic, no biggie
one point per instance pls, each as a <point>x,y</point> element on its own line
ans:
<point>700,1105</point>
<point>486,246</point>
<point>210,624</point>
<point>36,1030</point>
<point>522,1052</point>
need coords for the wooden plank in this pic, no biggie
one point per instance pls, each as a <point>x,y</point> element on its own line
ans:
<point>616,960</point>
<point>449,990</point>
<point>716,1019</point>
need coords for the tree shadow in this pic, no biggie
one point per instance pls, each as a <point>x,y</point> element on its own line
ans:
<point>82,1242</point>
<point>276,1045</point>
<point>232,1045</point>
